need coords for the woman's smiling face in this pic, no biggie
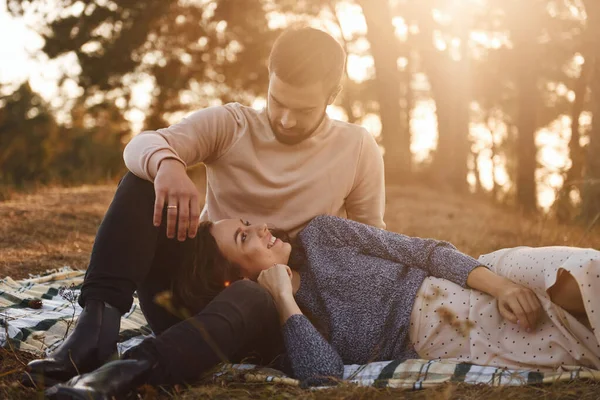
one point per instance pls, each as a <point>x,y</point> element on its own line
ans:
<point>250,246</point>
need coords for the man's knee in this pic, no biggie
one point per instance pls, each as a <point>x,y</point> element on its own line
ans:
<point>134,191</point>
<point>250,298</point>
<point>250,290</point>
<point>130,180</point>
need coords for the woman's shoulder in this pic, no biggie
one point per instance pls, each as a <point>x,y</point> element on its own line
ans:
<point>325,221</point>
<point>327,227</point>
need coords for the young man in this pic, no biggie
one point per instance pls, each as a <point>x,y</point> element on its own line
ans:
<point>287,163</point>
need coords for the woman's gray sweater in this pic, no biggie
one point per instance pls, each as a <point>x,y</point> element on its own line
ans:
<point>359,283</point>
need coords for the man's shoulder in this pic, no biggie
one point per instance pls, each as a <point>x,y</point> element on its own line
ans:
<point>236,111</point>
<point>243,110</point>
<point>238,107</point>
<point>348,128</point>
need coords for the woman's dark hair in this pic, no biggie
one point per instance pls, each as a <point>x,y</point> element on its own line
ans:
<point>205,271</point>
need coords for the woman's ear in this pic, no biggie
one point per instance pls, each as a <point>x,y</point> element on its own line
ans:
<point>334,94</point>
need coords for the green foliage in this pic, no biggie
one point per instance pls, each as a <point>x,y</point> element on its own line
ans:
<point>183,45</point>
<point>27,134</point>
<point>93,145</point>
<point>197,52</point>
<point>35,149</point>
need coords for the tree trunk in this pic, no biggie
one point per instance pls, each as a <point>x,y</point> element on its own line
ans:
<point>461,147</point>
<point>409,94</point>
<point>346,95</point>
<point>526,150</point>
<point>564,206</point>
<point>527,103</point>
<point>591,187</point>
<point>385,52</point>
<point>450,87</point>
<point>476,172</point>
<point>493,151</point>
<point>575,149</point>
<point>439,71</point>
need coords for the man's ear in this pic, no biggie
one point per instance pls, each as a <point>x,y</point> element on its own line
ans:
<point>334,94</point>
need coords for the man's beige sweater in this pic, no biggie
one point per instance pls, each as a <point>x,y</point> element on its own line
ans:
<point>337,171</point>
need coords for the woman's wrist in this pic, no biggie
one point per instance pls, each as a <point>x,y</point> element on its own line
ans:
<point>484,280</point>
<point>501,285</point>
<point>283,297</point>
<point>286,306</point>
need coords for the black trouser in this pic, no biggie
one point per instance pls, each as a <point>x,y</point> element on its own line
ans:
<point>131,254</point>
<point>241,324</point>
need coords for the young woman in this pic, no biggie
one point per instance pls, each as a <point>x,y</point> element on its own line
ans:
<point>348,293</point>
<point>380,296</point>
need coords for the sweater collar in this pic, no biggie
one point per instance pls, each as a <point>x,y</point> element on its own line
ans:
<point>319,131</point>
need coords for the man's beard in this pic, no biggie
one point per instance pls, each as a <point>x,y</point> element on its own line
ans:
<point>295,139</point>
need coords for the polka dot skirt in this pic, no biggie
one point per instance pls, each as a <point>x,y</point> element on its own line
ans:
<point>452,322</point>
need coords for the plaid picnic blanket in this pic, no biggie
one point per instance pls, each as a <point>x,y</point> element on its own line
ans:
<point>29,326</point>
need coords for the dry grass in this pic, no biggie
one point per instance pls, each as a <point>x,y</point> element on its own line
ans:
<point>50,228</point>
<point>560,391</point>
<point>54,227</point>
<point>11,367</point>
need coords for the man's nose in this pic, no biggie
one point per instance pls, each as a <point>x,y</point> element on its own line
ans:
<point>287,120</point>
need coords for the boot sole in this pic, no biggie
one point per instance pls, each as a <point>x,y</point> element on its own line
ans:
<point>68,393</point>
<point>38,381</point>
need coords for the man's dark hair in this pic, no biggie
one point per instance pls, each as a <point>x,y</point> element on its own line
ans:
<point>304,56</point>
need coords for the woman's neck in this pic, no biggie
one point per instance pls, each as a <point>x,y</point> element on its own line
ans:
<point>295,281</point>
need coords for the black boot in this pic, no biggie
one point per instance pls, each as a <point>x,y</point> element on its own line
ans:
<point>92,343</point>
<point>114,380</point>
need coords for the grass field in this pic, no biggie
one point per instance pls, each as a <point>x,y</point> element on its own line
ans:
<point>54,227</point>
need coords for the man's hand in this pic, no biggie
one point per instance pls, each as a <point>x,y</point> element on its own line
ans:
<point>519,305</point>
<point>175,189</point>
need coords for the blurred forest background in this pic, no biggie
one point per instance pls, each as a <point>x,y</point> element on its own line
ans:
<point>496,97</point>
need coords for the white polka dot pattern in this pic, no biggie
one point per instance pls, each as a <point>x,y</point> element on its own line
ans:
<point>449,321</point>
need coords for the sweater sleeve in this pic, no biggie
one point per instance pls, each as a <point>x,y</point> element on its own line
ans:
<point>438,258</point>
<point>310,356</point>
<point>366,201</point>
<point>203,136</point>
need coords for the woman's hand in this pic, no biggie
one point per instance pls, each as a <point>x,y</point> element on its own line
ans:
<point>277,280</point>
<point>516,303</point>
<point>519,305</point>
